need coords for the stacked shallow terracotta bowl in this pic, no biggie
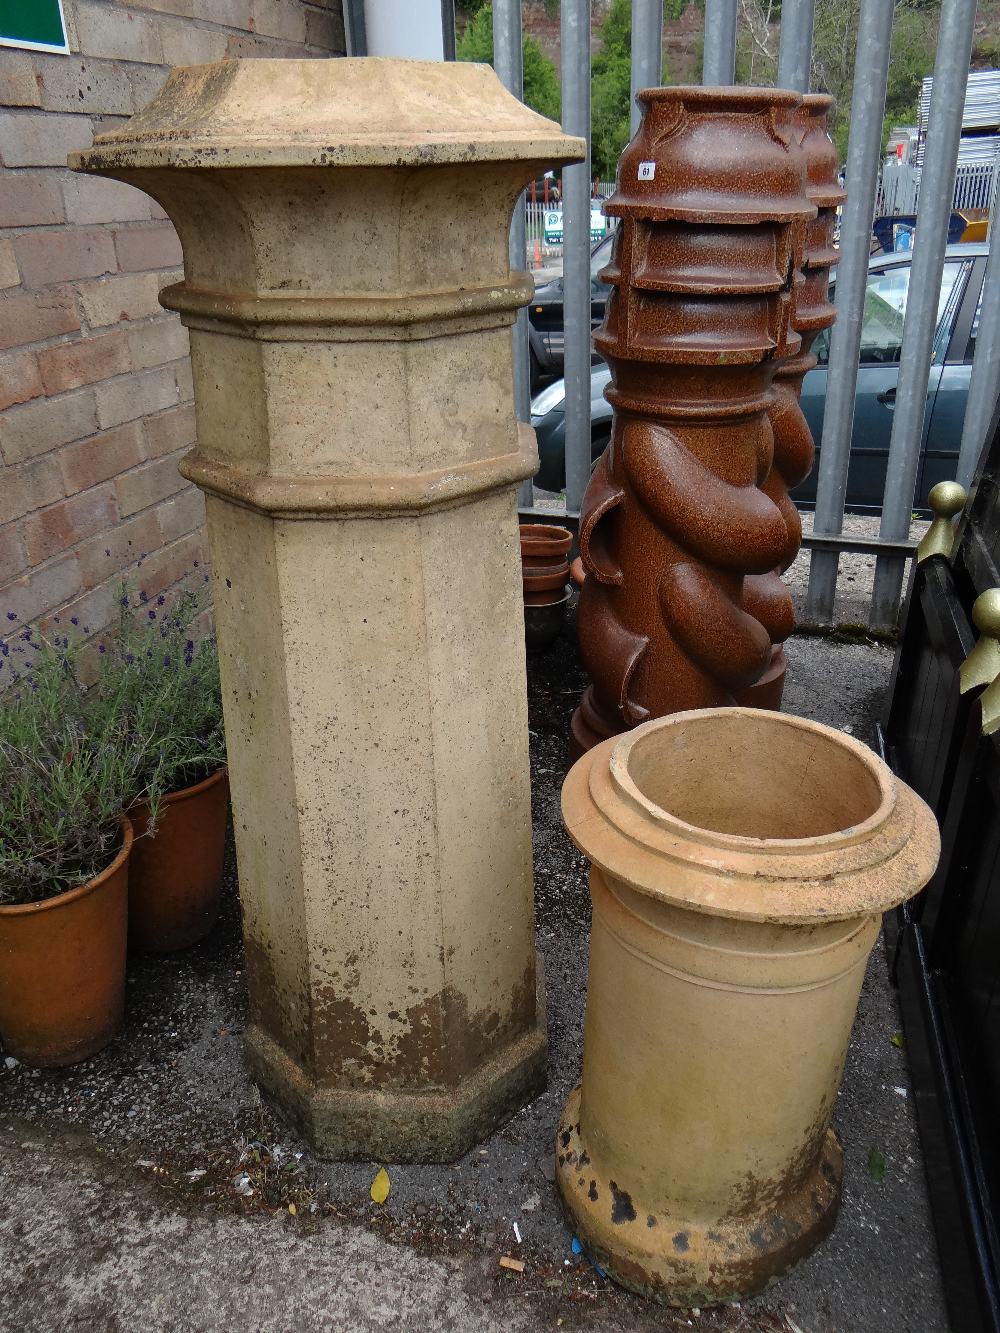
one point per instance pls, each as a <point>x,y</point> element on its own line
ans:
<point>545,578</point>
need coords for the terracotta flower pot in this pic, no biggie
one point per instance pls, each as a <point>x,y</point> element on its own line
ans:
<point>546,582</point>
<point>741,861</point>
<point>62,968</point>
<point>545,551</point>
<point>544,544</point>
<point>176,875</point>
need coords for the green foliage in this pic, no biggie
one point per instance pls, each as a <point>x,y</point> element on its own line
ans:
<point>914,38</point>
<point>65,775</point>
<point>611,90</point>
<point>166,686</point>
<point>72,758</point>
<point>541,86</point>
<point>834,43</point>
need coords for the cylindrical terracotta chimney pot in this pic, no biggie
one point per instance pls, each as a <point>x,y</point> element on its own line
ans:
<point>349,297</point>
<point>712,210</point>
<point>741,861</point>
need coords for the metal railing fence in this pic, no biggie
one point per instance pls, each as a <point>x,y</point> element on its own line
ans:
<point>941,186</point>
<point>899,186</point>
<point>544,230</point>
<point>944,129</point>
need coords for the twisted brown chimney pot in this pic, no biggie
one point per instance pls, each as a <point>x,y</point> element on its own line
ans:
<point>706,259</point>
<point>765,596</point>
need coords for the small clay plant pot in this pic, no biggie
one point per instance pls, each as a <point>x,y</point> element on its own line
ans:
<point>547,586</point>
<point>176,875</point>
<point>544,576</point>
<point>543,545</point>
<point>62,968</point>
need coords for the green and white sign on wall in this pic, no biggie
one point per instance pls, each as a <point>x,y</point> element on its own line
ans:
<point>38,25</point>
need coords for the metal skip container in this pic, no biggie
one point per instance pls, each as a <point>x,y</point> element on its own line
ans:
<point>740,863</point>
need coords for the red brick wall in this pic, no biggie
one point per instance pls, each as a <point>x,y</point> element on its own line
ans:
<point>95,381</point>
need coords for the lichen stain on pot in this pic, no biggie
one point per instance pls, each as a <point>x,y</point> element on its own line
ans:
<point>269,1009</point>
<point>432,1041</point>
<point>684,1263</point>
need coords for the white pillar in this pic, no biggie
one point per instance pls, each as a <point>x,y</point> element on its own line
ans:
<point>408,28</point>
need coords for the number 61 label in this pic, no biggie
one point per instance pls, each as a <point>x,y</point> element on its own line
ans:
<point>647,171</point>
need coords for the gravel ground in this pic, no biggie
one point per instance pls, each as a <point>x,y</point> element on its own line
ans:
<point>150,1187</point>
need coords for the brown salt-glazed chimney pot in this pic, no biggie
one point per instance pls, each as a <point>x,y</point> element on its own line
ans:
<point>706,266</point>
<point>765,595</point>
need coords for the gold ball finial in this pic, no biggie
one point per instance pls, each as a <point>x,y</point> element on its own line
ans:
<point>982,666</point>
<point>947,499</point>
<point>986,613</point>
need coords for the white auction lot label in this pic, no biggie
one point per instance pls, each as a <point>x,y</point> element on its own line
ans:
<point>647,171</point>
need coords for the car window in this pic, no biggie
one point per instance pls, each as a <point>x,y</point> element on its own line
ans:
<point>600,259</point>
<point>885,310</point>
<point>970,350</point>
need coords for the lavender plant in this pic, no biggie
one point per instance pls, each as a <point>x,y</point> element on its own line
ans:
<point>164,686</point>
<point>66,772</point>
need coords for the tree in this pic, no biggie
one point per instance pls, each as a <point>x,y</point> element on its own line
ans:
<point>611,87</point>
<point>835,33</point>
<point>541,86</point>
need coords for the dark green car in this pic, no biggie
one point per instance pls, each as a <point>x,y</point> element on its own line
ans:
<point>881,339</point>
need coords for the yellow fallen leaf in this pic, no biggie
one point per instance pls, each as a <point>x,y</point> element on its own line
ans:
<point>380,1186</point>
<point>292,1209</point>
<point>515,1265</point>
